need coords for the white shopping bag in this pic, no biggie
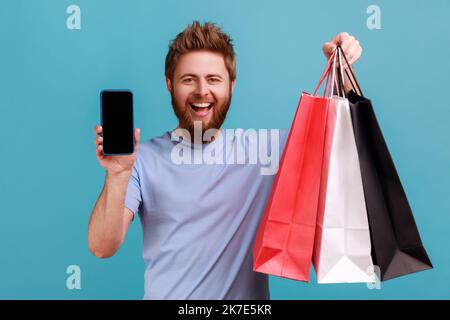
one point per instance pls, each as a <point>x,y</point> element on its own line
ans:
<point>342,251</point>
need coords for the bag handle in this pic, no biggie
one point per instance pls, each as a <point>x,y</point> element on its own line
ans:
<point>333,75</point>
<point>326,91</point>
<point>351,77</point>
<point>340,83</point>
<point>329,69</point>
<point>325,75</point>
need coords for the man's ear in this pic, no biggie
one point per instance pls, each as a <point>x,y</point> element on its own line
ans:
<point>232,85</point>
<point>169,85</point>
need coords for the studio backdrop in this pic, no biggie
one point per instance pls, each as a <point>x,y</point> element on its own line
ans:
<point>56,57</point>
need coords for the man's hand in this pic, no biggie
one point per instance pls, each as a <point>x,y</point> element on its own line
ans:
<point>115,165</point>
<point>349,45</point>
<point>352,50</point>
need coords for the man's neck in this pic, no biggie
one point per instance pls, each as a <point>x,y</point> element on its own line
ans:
<point>185,135</point>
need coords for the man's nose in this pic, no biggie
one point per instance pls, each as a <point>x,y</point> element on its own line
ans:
<point>202,87</point>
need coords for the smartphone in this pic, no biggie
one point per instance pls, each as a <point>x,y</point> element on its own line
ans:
<point>116,113</point>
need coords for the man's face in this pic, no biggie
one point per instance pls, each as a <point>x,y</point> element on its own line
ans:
<point>201,90</point>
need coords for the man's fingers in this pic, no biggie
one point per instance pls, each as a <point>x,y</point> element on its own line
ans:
<point>340,38</point>
<point>98,129</point>
<point>98,135</point>
<point>356,56</point>
<point>348,43</point>
<point>99,152</point>
<point>328,48</point>
<point>352,52</point>
<point>98,140</point>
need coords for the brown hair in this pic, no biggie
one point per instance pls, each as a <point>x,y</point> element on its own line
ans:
<point>201,37</point>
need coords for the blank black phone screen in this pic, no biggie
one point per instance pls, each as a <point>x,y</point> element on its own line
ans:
<point>117,122</point>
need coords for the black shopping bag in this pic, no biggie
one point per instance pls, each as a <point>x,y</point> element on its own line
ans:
<point>396,245</point>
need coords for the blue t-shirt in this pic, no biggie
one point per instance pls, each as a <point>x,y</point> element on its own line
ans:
<point>199,220</point>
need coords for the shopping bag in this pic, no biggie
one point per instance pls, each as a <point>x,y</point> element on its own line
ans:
<point>342,251</point>
<point>285,238</point>
<point>397,248</point>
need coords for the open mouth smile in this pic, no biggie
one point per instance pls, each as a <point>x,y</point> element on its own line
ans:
<point>201,109</point>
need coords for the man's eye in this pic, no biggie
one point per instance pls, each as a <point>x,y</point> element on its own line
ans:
<point>214,80</point>
<point>188,80</point>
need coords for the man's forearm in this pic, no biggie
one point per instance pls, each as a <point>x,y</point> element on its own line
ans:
<point>105,234</point>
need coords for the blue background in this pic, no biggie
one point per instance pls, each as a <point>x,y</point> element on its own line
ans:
<point>50,79</point>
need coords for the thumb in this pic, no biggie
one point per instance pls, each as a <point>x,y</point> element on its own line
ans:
<point>328,48</point>
<point>137,132</point>
<point>331,47</point>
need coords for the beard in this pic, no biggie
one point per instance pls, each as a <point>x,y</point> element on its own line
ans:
<point>219,113</point>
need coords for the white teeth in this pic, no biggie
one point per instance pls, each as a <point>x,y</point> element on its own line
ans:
<point>201,105</point>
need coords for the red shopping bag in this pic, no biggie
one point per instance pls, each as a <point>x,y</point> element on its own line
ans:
<point>285,238</point>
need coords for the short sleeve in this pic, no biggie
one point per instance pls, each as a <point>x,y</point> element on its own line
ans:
<point>133,198</point>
